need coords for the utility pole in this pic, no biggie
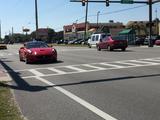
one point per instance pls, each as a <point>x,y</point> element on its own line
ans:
<point>0,30</point>
<point>36,17</point>
<point>97,18</point>
<point>156,22</point>
<point>150,24</point>
<point>12,31</point>
<point>86,17</point>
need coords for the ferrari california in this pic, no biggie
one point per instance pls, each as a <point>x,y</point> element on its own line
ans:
<point>35,51</point>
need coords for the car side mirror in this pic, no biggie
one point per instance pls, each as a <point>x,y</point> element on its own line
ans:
<point>100,40</point>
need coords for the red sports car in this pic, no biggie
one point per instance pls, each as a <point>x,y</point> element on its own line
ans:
<point>112,43</point>
<point>37,51</point>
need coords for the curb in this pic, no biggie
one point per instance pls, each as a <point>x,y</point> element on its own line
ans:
<point>4,76</point>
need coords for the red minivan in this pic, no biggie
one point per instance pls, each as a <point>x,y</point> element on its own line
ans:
<point>111,43</point>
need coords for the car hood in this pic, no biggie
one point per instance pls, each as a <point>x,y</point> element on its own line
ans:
<point>42,50</point>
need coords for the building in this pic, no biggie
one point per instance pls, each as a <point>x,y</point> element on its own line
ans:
<point>77,30</point>
<point>142,27</point>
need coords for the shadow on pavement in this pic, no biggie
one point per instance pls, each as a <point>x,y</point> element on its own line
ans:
<point>21,84</point>
<point>107,80</point>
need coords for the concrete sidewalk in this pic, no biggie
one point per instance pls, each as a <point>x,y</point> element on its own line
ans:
<point>4,76</point>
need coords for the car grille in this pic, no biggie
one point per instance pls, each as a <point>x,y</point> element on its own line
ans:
<point>44,57</point>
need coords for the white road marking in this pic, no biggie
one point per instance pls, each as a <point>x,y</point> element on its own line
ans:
<point>127,63</point>
<point>10,54</point>
<point>153,60</point>
<point>72,50</point>
<point>75,68</point>
<point>111,65</point>
<point>57,71</point>
<point>140,61</point>
<point>37,73</point>
<point>79,100</point>
<point>92,66</point>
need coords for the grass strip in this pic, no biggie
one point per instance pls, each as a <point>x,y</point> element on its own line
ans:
<point>8,109</point>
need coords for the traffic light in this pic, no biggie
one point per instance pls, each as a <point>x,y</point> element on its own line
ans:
<point>107,3</point>
<point>83,2</point>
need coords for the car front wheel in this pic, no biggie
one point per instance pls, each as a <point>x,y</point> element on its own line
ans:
<point>20,58</point>
<point>110,48</point>
<point>123,49</point>
<point>98,48</point>
<point>26,61</point>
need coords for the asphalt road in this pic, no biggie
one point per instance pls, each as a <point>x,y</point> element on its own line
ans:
<point>86,84</point>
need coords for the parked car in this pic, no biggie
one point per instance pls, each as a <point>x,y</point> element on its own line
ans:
<point>111,43</point>
<point>60,41</point>
<point>139,41</point>
<point>147,40</point>
<point>157,42</point>
<point>95,38</point>
<point>3,45</point>
<point>37,51</point>
<point>75,41</point>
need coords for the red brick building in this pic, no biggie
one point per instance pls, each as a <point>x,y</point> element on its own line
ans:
<point>76,30</point>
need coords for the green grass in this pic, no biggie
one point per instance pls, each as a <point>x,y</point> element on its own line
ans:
<point>8,109</point>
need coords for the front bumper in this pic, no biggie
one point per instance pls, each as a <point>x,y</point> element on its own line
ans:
<point>3,47</point>
<point>41,58</point>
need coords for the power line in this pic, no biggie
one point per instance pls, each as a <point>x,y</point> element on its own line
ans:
<point>113,12</point>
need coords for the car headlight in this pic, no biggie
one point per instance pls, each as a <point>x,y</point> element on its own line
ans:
<point>29,51</point>
<point>35,53</point>
<point>54,51</point>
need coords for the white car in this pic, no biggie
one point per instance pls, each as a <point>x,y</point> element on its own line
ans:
<point>95,38</point>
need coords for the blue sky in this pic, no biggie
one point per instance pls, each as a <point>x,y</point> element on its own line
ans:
<point>57,13</point>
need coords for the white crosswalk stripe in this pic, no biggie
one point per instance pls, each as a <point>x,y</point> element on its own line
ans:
<point>143,62</point>
<point>153,60</point>
<point>37,73</point>
<point>82,68</point>
<point>57,71</point>
<point>95,67</point>
<point>75,68</point>
<point>127,63</point>
<point>111,65</point>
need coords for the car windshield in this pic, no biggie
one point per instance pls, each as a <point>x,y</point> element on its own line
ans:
<point>103,36</point>
<point>118,38</point>
<point>36,45</point>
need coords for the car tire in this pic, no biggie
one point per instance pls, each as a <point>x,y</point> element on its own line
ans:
<point>123,49</point>
<point>98,48</point>
<point>26,61</point>
<point>20,58</point>
<point>89,45</point>
<point>110,48</point>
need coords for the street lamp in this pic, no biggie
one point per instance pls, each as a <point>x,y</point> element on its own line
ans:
<point>36,17</point>
<point>98,17</point>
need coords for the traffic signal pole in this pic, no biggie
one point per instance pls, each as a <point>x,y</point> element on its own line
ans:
<point>150,24</point>
<point>86,18</point>
<point>149,2</point>
<point>36,17</point>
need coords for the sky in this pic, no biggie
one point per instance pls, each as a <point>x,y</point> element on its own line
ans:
<point>57,13</point>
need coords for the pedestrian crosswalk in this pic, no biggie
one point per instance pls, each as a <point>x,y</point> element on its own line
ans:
<point>8,54</point>
<point>83,68</point>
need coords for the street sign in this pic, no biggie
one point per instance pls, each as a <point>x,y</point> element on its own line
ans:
<point>127,1</point>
